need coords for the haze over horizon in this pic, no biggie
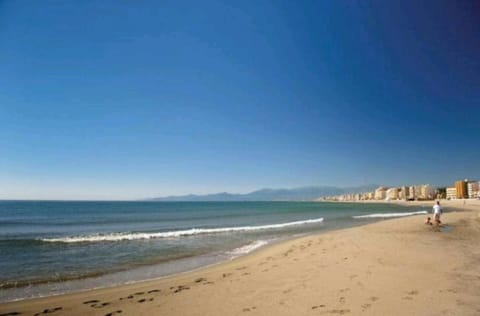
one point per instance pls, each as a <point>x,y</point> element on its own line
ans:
<point>110,100</point>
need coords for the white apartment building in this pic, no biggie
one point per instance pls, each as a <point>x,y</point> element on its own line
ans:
<point>427,192</point>
<point>381,193</point>
<point>473,189</point>
<point>451,193</point>
<point>404,193</point>
<point>411,192</point>
<point>392,194</point>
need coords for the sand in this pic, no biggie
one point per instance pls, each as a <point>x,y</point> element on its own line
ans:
<point>394,267</point>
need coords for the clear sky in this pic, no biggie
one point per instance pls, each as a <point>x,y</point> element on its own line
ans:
<point>131,99</point>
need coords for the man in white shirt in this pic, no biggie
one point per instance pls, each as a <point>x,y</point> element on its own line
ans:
<point>437,211</point>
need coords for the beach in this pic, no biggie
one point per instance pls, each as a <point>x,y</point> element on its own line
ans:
<point>393,267</point>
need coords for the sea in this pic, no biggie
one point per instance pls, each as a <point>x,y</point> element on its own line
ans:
<point>55,247</point>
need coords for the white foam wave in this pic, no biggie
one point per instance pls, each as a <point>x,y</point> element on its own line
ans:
<point>248,248</point>
<point>386,215</point>
<point>173,234</point>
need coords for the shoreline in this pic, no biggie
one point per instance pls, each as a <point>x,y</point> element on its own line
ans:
<point>165,268</point>
<point>275,273</point>
<point>456,205</point>
<point>141,274</point>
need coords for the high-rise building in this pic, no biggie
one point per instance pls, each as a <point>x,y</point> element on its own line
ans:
<point>404,193</point>
<point>380,193</point>
<point>411,192</point>
<point>392,194</point>
<point>427,192</point>
<point>418,191</point>
<point>462,189</point>
<point>451,193</point>
<point>473,189</point>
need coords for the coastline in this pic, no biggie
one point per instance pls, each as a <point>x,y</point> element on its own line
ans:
<point>458,204</point>
<point>397,266</point>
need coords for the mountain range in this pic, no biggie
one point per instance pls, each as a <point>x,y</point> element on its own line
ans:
<point>296,194</point>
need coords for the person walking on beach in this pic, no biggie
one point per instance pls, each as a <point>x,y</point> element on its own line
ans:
<point>437,211</point>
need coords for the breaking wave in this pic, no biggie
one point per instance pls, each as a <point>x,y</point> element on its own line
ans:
<point>173,234</point>
<point>248,248</point>
<point>386,215</point>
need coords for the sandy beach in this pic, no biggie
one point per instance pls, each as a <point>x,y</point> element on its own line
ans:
<point>393,267</point>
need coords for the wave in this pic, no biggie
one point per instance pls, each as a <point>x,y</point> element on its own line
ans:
<point>387,215</point>
<point>248,248</point>
<point>173,234</point>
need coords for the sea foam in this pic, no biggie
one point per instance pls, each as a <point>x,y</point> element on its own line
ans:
<point>173,234</point>
<point>248,248</point>
<point>386,215</point>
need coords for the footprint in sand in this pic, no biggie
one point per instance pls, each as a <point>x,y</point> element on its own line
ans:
<point>374,298</point>
<point>181,288</point>
<point>241,268</point>
<point>10,314</point>
<point>341,299</point>
<point>101,305</point>
<point>91,302</point>
<point>153,291</point>
<point>414,292</point>
<point>318,306</point>
<point>200,280</point>
<point>226,275</point>
<point>366,306</point>
<point>49,310</point>
<point>248,309</point>
<point>113,313</point>
<point>339,311</point>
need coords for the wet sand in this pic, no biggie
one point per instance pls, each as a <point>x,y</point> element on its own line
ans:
<point>394,267</point>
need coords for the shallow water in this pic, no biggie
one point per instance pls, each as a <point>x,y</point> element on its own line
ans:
<point>56,247</point>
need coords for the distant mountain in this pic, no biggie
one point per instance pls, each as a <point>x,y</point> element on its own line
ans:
<point>296,194</point>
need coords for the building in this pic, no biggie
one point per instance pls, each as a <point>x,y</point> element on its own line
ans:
<point>462,189</point>
<point>418,191</point>
<point>381,193</point>
<point>392,194</point>
<point>404,193</point>
<point>441,193</point>
<point>473,189</point>
<point>411,192</point>
<point>427,192</point>
<point>451,193</point>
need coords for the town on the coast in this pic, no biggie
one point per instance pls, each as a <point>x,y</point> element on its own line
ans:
<point>462,189</point>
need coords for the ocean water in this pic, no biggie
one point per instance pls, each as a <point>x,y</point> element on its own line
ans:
<point>49,247</point>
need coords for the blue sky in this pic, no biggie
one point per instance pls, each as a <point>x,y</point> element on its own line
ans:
<point>131,99</point>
